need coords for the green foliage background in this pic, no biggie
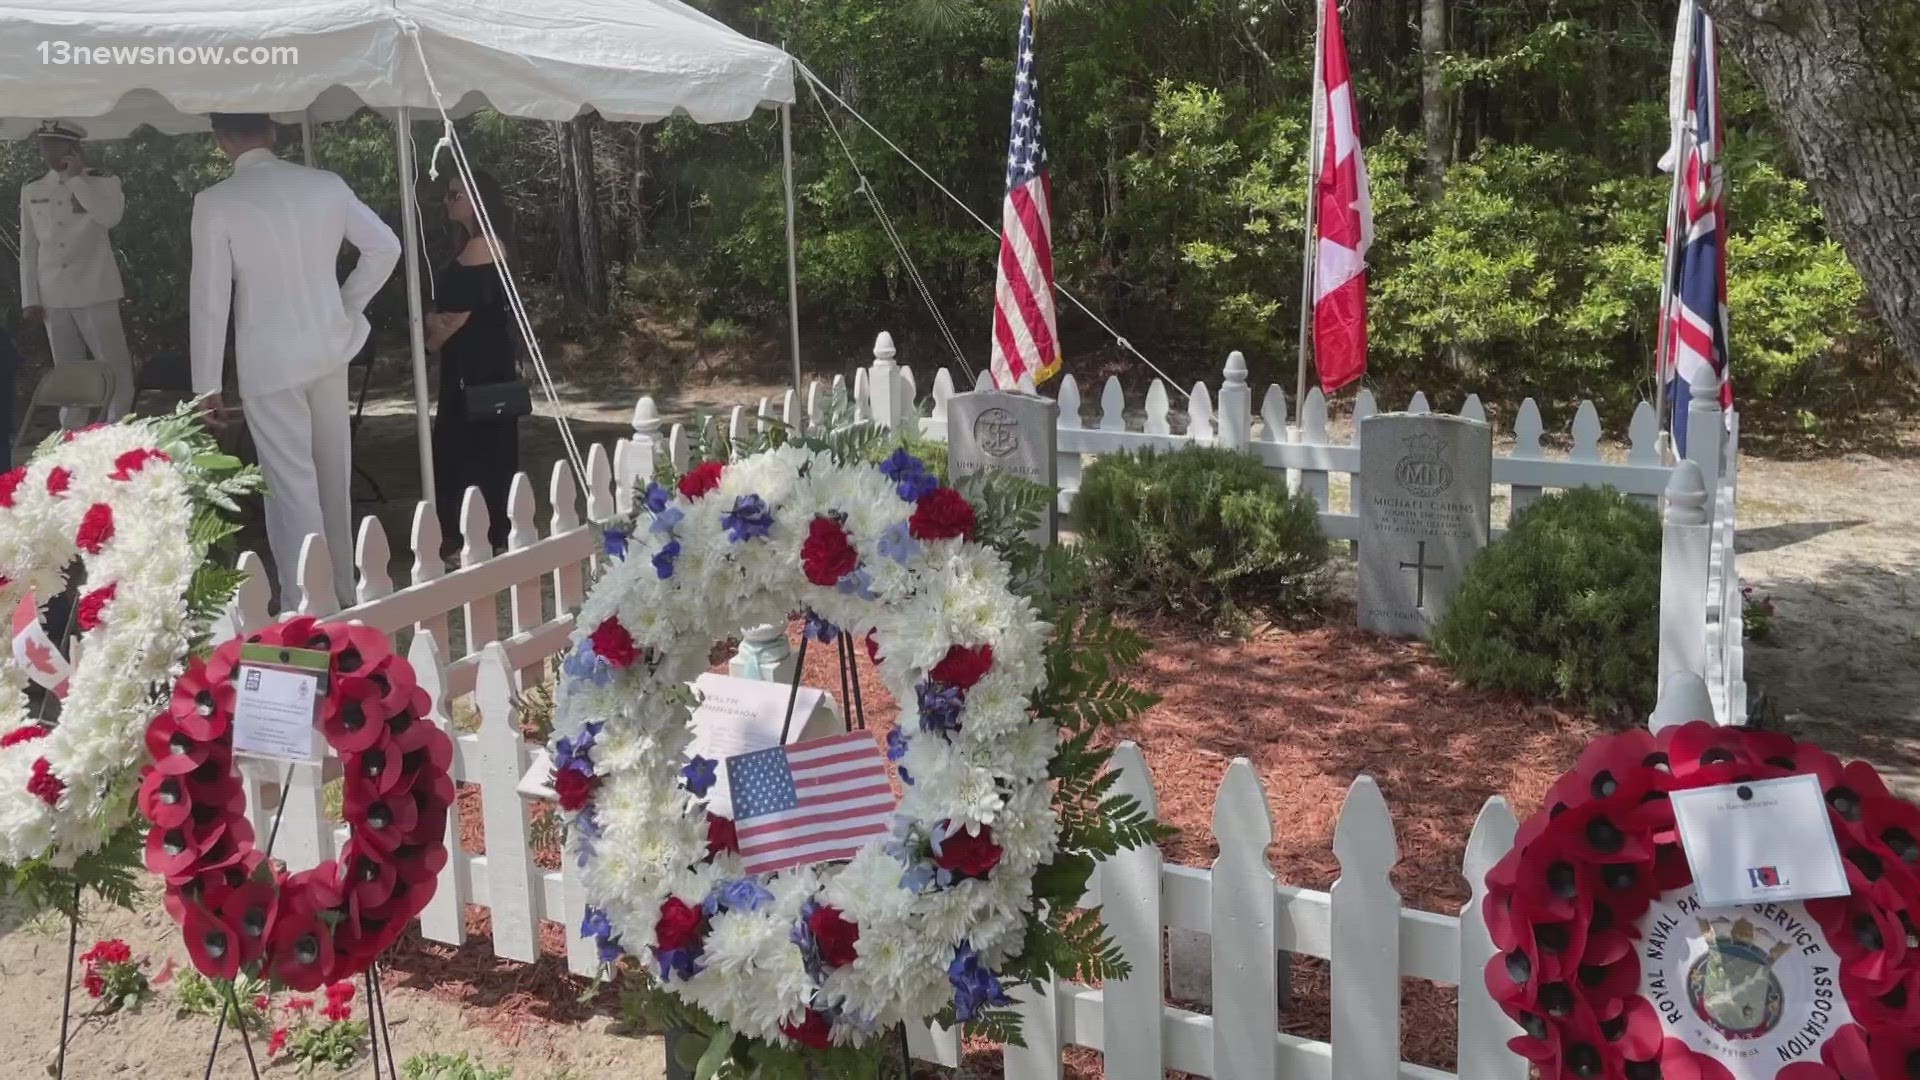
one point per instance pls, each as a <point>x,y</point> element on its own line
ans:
<point>1177,131</point>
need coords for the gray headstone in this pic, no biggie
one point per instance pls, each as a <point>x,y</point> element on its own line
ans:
<point>1015,433</point>
<point>1425,486</point>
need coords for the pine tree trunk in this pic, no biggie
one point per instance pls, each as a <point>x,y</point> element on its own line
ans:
<point>1839,77</point>
<point>566,228</point>
<point>1433,91</point>
<point>593,272</point>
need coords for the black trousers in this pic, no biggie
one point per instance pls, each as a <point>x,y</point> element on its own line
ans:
<point>473,453</point>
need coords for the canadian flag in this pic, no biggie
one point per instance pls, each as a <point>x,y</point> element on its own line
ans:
<point>1345,228</point>
<point>35,652</point>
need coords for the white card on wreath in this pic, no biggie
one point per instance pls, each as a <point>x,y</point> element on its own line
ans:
<point>738,716</point>
<point>273,713</point>
<point>1760,842</point>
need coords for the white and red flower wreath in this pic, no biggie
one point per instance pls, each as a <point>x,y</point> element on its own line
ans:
<point>1590,908</point>
<point>328,922</point>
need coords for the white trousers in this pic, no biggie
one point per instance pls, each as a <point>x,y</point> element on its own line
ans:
<point>77,334</point>
<point>304,438</point>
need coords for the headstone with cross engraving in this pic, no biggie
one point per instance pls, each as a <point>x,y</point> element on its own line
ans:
<point>1425,486</point>
<point>1015,433</point>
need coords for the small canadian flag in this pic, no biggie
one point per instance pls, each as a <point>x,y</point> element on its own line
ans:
<point>35,652</point>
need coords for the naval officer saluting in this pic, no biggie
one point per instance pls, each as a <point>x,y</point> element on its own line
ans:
<point>68,277</point>
<point>265,241</point>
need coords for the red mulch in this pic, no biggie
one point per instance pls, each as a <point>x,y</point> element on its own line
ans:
<point>1311,710</point>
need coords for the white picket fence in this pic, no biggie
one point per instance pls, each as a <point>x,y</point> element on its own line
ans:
<point>1358,925</point>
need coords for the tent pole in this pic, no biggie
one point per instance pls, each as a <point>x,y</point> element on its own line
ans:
<point>306,138</point>
<point>416,330</point>
<point>793,256</point>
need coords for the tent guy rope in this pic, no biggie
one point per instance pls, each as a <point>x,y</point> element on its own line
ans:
<point>1118,339</point>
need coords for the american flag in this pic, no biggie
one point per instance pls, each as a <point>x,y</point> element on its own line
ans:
<point>1026,331</point>
<point>1695,320</point>
<point>810,802</point>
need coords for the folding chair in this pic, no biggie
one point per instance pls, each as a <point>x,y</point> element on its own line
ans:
<point>87,386</point>
<point>164,373</point>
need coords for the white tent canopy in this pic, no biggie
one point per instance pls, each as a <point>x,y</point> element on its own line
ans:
<point>114,66</point>
<point>639,60</point>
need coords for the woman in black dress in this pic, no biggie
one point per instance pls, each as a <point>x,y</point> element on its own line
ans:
<point>474,332</point>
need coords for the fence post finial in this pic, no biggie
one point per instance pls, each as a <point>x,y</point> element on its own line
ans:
<point>1236,404</point>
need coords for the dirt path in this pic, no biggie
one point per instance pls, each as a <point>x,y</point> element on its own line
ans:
<point>154,1042</point>
<point>1836,543</point>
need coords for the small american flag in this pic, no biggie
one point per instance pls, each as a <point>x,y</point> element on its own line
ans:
<point>1026,330</point>
<point>812,802</point>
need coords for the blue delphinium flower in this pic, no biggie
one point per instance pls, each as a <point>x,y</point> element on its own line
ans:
<point>657,497</point>
<point>897,543</point>
<point>663,559</point>
<point>586,831</point>
<point>583,664</point>
<point>699,775</point>
<point>597,926</point>
<point>909,474</point>
<point>940,707</point>
<point>820,629</point>
<point>974,987</point>
<point>750,518</point>
<point>615,543</point>
<point>740,894</point>
<point>667,520</point>
<point>679,962</point>
<point>897,749</point>
<point>577,751</point>
<point>857,583</point>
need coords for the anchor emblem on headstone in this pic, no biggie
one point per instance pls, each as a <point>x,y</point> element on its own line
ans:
<point>996,433</point>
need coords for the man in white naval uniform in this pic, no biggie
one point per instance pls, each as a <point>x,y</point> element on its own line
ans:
<point>265,244</point>
<point>68,277</point>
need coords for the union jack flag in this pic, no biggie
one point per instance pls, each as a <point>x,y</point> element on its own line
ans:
<point>1026,330</point>
<point>1694,323</point>
<point>819,801</point>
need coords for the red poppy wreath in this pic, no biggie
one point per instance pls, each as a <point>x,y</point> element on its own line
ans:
<point>1614,969</point>
<point>329,922</point>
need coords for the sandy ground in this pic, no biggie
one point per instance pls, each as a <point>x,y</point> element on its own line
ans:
<point>155,1042</point>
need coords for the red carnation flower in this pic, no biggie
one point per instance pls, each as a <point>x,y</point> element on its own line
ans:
<point>44,785</point>
<point>110,951</point>
<point>95,529</point>
<point>58,481</point>
<point>95,985</point>
<point>942,514</point>
<point>835,936</point>
<point>962,666</point>
<point>9,483</point>
<point>574,788</point>
<point>702,478</point>
<point>133,461</point>
<point>678,926</point>
<point>299,1005</point>
<point>828,554</point>
<point>277,1041</point>
<point>815,1032</point>
<point>93,605</point>
<point>26,733</point>
<point>969,855</point>
<point>612,643</point>
<point>721,836</point>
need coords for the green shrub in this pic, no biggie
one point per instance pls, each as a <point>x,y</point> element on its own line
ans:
<point>1567,605</point>
<point>1202,534</point>
<point>439,1066</point>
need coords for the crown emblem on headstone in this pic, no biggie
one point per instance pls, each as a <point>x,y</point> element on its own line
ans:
<point>1423,470</point>
<point>1425,445</point>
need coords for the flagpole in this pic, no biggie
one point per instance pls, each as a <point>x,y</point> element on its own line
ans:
<point>1680,135</point>
<point>1308,258</point>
